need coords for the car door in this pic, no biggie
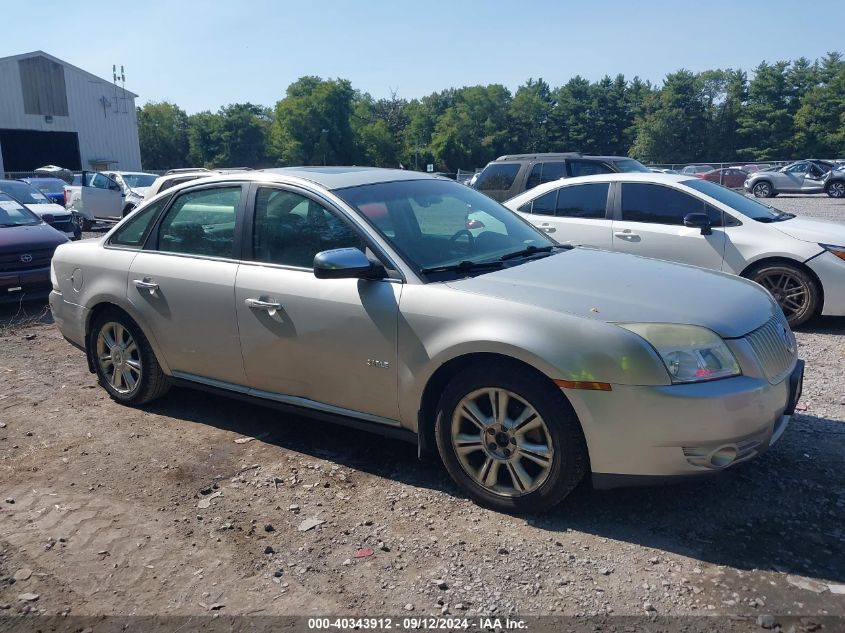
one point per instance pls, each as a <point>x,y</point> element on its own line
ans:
<point>813,179</point>
<point>328,344</point>
<point>649,221</point>
<point>182,285</point>
<point>102,197</point>
<point>574,214</point>
<point>791,179</point>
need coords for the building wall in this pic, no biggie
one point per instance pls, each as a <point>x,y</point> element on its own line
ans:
<point>104,133</point>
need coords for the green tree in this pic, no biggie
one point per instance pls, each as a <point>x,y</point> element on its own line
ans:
<point>312,123</point>
<point>765,123</point>
<point>163,135</point>
<point>530,112</point>
<point>204,138</point>
<point>820,121</point>
<point>674,130</point>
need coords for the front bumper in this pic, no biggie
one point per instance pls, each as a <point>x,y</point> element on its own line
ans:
<point>831,272</point>
<point>648,432</point>
<point>24,285</point>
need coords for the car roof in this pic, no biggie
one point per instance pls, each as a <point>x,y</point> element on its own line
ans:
<point>553,155</point>
<point>652,177</point>
<point>328,177</point>
<point>129,173</point>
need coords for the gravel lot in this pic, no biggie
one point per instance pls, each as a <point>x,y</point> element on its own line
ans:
<point>167,510</point>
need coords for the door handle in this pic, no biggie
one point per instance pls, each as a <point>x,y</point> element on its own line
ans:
<point>258,304</point>
<point>625,235</point>
<point>547,229</point>
<point>145,284</point>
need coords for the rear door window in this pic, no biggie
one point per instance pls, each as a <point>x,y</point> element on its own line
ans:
<point>587,168</point>
<point>545,204</point>
<point>583,201</point>
<point>497,177</point>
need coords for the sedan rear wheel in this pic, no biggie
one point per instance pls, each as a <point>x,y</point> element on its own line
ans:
<point>794,290</point>
<point>124,361</point>
<point>762,190</point>
<point>836,189</point>
<point>510,439</point>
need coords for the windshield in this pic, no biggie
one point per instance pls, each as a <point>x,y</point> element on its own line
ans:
<point>13,213</point>
<point>738,202</point>
<point>629,165</point>
<point>434,223</point>
<point>48,185</point>
<point>22,192</point>
<point>138,180</point>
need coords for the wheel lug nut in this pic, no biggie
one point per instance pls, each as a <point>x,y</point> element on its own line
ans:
<point>507,453</point>
<point>491,431</point>
<point>491,446</point>
<point>513,441</point>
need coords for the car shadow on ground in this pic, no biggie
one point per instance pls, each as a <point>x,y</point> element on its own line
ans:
<point>824,325</point>
<point>782,512</point>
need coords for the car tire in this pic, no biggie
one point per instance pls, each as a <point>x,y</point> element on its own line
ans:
<point>785,281</point>
<point>503,478</point>
<point>116,342</point>
<point>836,189</point>
<point>763,189</point>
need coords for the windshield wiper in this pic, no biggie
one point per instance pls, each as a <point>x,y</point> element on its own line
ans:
<point>528,250</point>
<point>465,265</point>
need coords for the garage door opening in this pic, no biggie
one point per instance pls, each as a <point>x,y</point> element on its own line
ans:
<point>25,150</point>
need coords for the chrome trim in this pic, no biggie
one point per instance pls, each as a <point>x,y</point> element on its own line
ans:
<point>296,401</point>
<point>771,344</point>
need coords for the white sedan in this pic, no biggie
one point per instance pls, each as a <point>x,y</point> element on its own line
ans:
<point>693,221</point>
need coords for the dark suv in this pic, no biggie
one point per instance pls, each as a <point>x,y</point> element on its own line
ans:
<point>512,174</point>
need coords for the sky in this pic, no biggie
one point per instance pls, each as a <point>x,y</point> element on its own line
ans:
<point>203,55</point>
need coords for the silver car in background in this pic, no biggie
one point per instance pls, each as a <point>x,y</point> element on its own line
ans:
<point>415,306</point>
<point>803,176</point>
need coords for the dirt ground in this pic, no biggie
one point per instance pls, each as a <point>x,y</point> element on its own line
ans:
<point>166,510</point>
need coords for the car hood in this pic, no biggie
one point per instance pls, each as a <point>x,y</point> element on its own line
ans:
<point>818,231</point>
<point>141,191</point>
<point>616,287</point>
<point>37,237</point>
<point>56,210</point>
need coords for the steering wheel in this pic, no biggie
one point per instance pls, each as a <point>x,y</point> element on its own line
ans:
<point>466,232</point>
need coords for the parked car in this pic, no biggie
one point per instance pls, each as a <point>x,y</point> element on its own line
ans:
<point>97,197</point>
<point>510,175</point>
<point>803,176</point>
<point>57,216</point>
<point>134,185</point>
<point>360,296</point>
<point>694,221</point>
<point>53,188</point>
<point>26,247</point>
<point>727,177</point>
<point>693,170</point>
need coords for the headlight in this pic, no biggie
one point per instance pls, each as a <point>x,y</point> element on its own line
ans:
<point>690,353</point>
<point>839,251</point>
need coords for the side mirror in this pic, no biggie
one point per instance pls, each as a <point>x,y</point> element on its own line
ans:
<point>346,263</point>
<point>699,221</point>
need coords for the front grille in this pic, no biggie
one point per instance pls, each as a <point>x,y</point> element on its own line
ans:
<point>66,226</point>
<point>775,347</point>
<point>12,262</point>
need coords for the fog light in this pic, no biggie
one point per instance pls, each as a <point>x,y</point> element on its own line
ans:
<point>723,457</point>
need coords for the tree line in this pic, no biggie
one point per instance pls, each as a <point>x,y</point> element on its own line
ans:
<point>783,110</point>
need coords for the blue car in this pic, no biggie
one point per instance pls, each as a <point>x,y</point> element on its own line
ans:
<point>53,188</point>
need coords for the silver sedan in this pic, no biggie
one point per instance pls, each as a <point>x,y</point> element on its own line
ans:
<point>420,308</point>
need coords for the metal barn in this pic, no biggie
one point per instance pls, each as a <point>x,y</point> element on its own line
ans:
<point>53,113</point>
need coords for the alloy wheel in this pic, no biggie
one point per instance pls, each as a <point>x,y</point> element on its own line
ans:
<point>762,190</point>
<point>790,291</point>
<point>502,442</point>
<point>119,357</point>
<point>836,190</point>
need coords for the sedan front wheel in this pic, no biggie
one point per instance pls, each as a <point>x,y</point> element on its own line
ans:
<point>510,439</point>
<point>794,290</point>
<point>836,189</point>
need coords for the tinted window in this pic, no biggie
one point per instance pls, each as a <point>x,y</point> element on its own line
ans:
<point>587,168</point>
<point>534,177</point>
<point>798,168</point>
<point>746,206</point>
<point>545,204</point>
<point>48,185</point>
<point>553,171</point>
<point>657,204</point>
<point>583,201</point>
<point>201,223</point>
<point>630,165</point>
<point>134,231</point>
<point>291,229</point>
<point>497,176</point>
<point>27,194</point>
